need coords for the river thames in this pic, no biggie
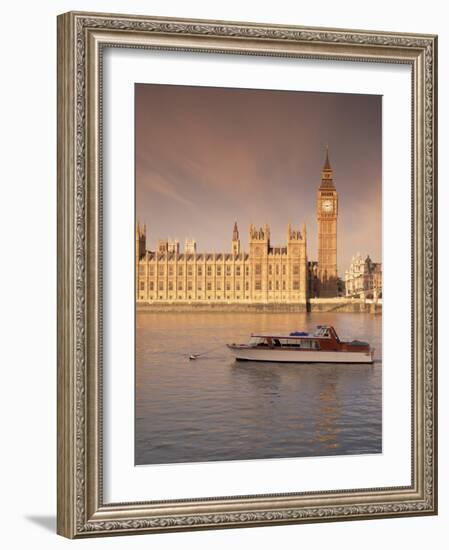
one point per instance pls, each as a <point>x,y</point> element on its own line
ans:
<point>214,408</point>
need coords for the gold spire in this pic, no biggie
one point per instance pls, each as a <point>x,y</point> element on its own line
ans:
<point>235,233</point>
<point>327,172</point>
<point>327,164</point>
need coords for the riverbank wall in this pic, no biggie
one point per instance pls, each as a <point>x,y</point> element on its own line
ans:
<point>315,305</point>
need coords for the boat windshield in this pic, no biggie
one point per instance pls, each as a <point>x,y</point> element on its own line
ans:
<point>279,342</point>
<point>323,332</point>
<point>256,340</point>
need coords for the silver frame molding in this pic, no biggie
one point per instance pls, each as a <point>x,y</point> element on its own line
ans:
<point>81,39</point>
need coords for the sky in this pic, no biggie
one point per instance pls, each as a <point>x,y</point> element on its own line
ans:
<point>207,157</point>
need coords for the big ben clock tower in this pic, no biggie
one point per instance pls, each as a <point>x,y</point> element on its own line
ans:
<point>327,211</point>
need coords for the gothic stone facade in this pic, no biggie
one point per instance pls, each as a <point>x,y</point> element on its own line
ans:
<point>262,275</point>
<point>265,274</point>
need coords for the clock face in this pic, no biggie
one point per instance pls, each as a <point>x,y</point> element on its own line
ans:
<point>327,206</point>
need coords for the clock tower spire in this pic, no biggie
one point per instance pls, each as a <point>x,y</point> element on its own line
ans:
<point>327,211</point>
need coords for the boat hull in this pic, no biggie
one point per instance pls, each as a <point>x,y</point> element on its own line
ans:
<point>242,353</point>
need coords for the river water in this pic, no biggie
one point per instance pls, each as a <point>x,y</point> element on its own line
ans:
<point>217,409</point>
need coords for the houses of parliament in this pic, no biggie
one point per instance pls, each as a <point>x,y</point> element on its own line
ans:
<point>263,274</point>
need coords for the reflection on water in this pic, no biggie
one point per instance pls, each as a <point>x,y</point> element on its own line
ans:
<point>327,430</point>
<point>217,409</point>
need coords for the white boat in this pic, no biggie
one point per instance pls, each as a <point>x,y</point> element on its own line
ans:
<point>322,346</point>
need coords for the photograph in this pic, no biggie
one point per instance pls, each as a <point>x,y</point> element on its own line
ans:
<point>258,274</point>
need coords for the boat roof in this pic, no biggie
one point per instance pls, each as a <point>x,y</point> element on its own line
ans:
<point>296,334</point>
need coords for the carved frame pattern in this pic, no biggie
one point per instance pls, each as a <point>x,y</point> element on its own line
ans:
<point>81,37</point>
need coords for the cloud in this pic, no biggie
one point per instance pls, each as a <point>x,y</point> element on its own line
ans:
<point>155,183</point>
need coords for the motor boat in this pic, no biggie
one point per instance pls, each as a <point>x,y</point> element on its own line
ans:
<point>321,346</point>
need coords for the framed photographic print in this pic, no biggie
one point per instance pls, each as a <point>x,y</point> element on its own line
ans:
<point>246,274</point>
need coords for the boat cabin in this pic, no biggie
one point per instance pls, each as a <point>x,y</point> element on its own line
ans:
<point>325,338</point>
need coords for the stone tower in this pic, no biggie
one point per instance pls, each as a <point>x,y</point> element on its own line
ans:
<point>259,241</point>
<point>259,247</point>
<point>235,241</point>
<point>190,246</point>
<point>141,237</point>
<point>327,212</point>
<point>141,244</point>
<point>297,274</point>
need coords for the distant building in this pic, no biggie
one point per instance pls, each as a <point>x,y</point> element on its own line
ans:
<point>264,274</point>
<point>363,279</point>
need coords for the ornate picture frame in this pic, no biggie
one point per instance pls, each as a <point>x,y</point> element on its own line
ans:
<point>82,38</point>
